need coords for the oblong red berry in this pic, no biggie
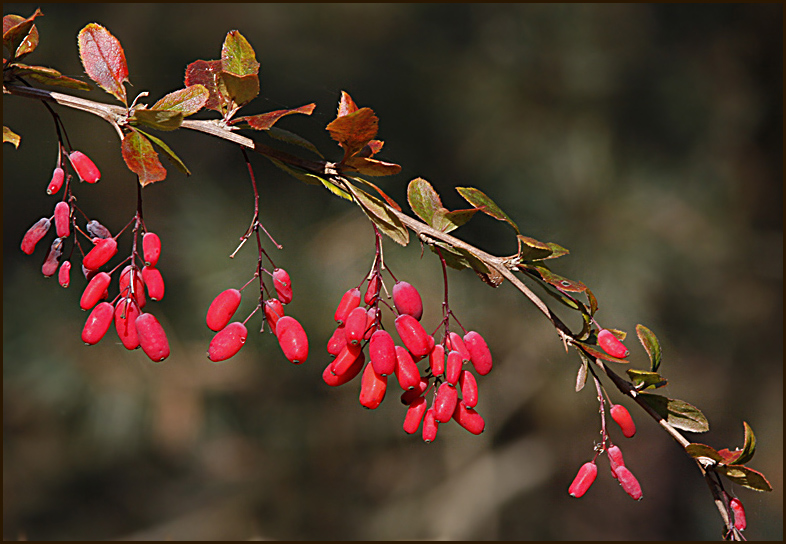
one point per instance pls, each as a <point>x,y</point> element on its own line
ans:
<point>337,342</point>
<point>152,338</point>
<point>583,480</point>
<point>469,388</point>
<point>468,418</point>
<point>406,370</point>
<point>372,291</point>
<point>151,248</point>
<point>138,288</point>
<point>283,285</point>
<point>345,359</point>
<point>94,290</point>
<point>445,402</point>
<point>97,323</point>
<point>455,342</point>
<point>355,326</point>
<point>479,352</point>
<point>227,342</point>
<point>414,416</point>
<point>414,335</point>
<point>408,397</point>
<point>52,260</point>
<point>349,301</point>
<point>58,175</point>
<point>154,282</point>
<point>615,459</point>
<point>453,367</point>
<point>436,360</point>
<point>382,352</point>
<point>628,482</point>
<point>62,219</point>
<point>739,514</point>
<point>86,169</point>
<point>126,313</point>
<point>611,344</point>
<point>407,300</point>
<point>274,310</point>
<point>222,309</point>
<point>64,274</point>
<point>334,381</point>
<point>292,339</point>
<point>372,388</point>
<point>371,323</point>
<point>621,415</point>
<point>34,235</point>
<point>430,426</point>
<point>104,249</point>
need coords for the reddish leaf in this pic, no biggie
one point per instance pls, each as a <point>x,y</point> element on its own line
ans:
<point>50,76</point>
<point>16,28</point>
<point>207,73</point>
<point>28,44</point>
<point>346,105</point>
<point>264,121</point>
<point>354,130</point>
<point>188,101</point>
<point>372,167</point>
<point>142,159</point>
<point>104,59</point>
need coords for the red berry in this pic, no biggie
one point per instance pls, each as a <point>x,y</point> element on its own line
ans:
<point>151,248</point>
<point>62,219</point>
<point>414,415</point>
<point>611,344</point>
<point>371,323</point>
<point>430,425</point>
<point>406,370</point>
<point>628,482</point>
<point>52,260</point>
<point>94,290</point>
<point>739,514</point>
<point>453,367</point>
<point>97,323</point>
<point>355,326</point>
<point>407,300</point>
<point>104,249</point>
<point>615,459</point>
<point>227,342</point>
<point>58,175</point>
<point>468,418</point>
<point>34,235</point>
<point>372,388</point>
<point>154,282</point>
<point>409,396</point>
<point>274,310</point>
<point>414,336</point>
<point>152,337</point>
<point>97,230</point>
<point>436,360</point>
<point>292,339</point>
<point>139,285</point>
<point>349,302</point>
<point>345,359</point>
<point>469,388</point>
<point>621,415</point>
<point>457,344</point>
<point>445,402</point>
<point>126,313</point>
<point>479,352</point>
<point>64,274</point>
<point>372,291</point>
<point>283,285</point>
<point>382,352</point>
<point>334,380</point>
<point>583,480</point>
<point>84,167</point>
<point>222,309</point>
<point>337,341</point>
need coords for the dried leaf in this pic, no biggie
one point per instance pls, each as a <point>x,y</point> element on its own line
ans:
<point>187,101</point>
<point>481,201</point>
<point>141,158</point>
<point>264,121</point>
<point>678,413</point>
<point>651,345</point>
<point>207,74</point>
<point>11,137</point>
<point>354,130</point>
<point>104,59</point>
<point>157,119</point>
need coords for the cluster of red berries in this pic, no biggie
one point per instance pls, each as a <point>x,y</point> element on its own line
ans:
<point>135,328</point>
<point>230,337</point>
<point>360,327</point>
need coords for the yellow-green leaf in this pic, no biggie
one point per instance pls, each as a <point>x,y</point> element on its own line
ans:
<point>157,119</point>
<point>187,101</point>
<point>11,137</point>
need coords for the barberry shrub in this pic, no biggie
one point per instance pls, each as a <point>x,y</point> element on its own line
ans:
<point>438,364</point>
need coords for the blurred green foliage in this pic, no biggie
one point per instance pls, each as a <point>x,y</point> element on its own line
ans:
<point>647,139</point>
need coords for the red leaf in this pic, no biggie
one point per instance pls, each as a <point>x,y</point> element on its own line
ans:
<point>104,59</point>
<point>372,167</point>
<point>142,159</point>
<point>354,130</point>
<point>346,105</point>
<point>206,73</point>
<point>264,121</point>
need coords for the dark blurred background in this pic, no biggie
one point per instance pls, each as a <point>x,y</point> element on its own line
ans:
<point>647,139</point>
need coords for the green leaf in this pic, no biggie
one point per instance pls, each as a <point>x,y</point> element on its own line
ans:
<point>187,101</point>
<point>49,76</point>
<point>381,215</point>
<point>646,380</point>
<point>104,59</point>
<point>237,56</point>
<point>392,203</point>
<point>479,200</point>
<point>11,137</point>
<point>450,221</point>
<point>141,158</point>
<point>168,153</point>
<point>678,413</point>
<point>265,121</point>
<point>452,257</point>
<point>292,138</point>
<point>531,249</point>
<point>698,451</point>
<point>423,200</point>
<point>311,179</point>
<point>651,345</point>
<point>157,119</point>
<point>746,477</point>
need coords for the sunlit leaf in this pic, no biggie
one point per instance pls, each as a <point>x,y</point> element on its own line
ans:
<point>50,76</point>
<point>480,200</point>
<point>697,451</point>
<point>292,138</point>
<point>141,158</point>
<point>187,101</point>
<point>16,28</point>
<point>556,250</point>
<point>746,477</point>
<point>371,167</point>
<point>678,413</point>
<point>651,345</point>
<point>168,153</point>
<point>104,59</point>
<point>423,200</point>
<point>237,56</point>
<point>305,177</point>
<point>241,90</point>
<point>264,121</point>
<point>207,73</point>
<point>346,105</point>
<point>449,221</point>
<point>646,380</point>
<point>354,130</point>
<point>28,44</point>
<point>11,137</point>
<point>380,214</point>
<point>157,119</point>
<point>531,249</point>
